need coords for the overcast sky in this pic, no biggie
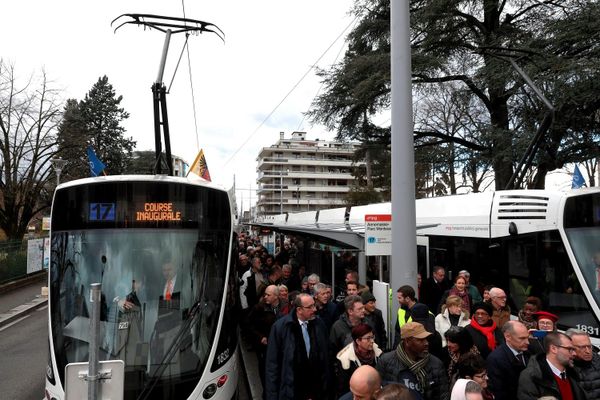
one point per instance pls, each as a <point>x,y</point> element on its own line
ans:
<point>269,46</point>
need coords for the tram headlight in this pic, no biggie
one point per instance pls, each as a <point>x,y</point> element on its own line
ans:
<point>222,380</point>
<point>209,391</point>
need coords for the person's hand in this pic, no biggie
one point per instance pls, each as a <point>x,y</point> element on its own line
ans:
<point>126,305</point>
<point>263,341</point>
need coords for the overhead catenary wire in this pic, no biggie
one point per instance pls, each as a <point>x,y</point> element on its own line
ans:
<point>320,86</point>
<point>289,92</point>
<point>191,84</point>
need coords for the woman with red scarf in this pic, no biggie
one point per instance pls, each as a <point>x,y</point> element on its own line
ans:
<point>486,335</point>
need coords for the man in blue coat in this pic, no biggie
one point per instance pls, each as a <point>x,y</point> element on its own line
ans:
<point>505,363</point>
<point>297,365</point>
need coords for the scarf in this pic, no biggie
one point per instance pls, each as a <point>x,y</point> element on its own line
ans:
<point>454,357</point>
<point>529,323</point>
<point>365,357</point>
<point>464,296</point>
<point>487,331</point>
<point>416,367</point>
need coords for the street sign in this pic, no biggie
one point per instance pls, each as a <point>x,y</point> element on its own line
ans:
<point>111,377</point>
<point>378,234</point>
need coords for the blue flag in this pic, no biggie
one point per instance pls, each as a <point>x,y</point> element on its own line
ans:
<point>578,180</point>
<point>96,166</point>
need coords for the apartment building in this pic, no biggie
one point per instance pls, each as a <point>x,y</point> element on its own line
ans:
<point>296,174</point>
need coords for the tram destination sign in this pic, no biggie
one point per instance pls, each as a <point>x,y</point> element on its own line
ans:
<point>158,212</point>
<point>378,234</point>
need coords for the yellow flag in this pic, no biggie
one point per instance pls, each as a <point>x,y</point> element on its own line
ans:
<point>199,166</point>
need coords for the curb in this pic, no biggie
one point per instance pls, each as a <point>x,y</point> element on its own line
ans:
<point>19,283</point>
<point>250,366</point>
<point>22,310</point>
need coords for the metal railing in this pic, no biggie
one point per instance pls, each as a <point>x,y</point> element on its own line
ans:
<point>13,260</point>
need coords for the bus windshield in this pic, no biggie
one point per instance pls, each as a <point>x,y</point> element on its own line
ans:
<point>582,227</point>
<point>160,304</point>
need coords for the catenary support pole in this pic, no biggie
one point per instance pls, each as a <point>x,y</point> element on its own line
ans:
<point>403,270</point>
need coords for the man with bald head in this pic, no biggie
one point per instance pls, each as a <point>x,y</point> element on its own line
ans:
<point>501,311</point>
<point>364,384</point>
<point>261,319</point>
<point>506,362</point>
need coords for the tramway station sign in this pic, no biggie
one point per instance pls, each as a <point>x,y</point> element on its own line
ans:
<point>378,234</point>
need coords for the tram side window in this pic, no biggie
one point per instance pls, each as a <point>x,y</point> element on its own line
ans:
<point>539,266</point>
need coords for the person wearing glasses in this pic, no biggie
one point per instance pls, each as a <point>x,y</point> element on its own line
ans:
<point>546,322</point>
<point>362,351</point>
<point>551,373</point>
<point>501,310</point>
<point>587,362</point>
<point>473,366</point>
<point>297,364</point>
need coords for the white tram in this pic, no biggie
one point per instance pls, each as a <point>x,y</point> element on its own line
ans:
<point>531,242</point>
<point>133,234</point>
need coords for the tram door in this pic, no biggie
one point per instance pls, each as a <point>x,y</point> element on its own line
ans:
<point>423,256</point>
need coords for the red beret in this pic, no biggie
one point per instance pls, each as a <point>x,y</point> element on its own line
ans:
<point>545,315</point>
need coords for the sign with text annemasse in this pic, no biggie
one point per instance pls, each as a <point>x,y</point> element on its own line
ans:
<point>378,234</point>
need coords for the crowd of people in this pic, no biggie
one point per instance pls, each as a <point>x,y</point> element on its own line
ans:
<point>450,340</point>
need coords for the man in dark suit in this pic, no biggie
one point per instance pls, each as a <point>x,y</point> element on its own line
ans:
<point>505,363</point>
<point>433,289</point>
<point>297,364</point>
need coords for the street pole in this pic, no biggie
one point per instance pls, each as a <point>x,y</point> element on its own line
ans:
<point>281,192</point>
<point>403,269</point>
<point>93,377</point>
<point>58,164</point>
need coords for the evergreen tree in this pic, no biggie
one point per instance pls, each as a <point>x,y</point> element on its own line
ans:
<point>470,43</point>
<point>95,121</point>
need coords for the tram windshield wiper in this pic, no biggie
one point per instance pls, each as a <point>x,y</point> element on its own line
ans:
<point>171,351</point>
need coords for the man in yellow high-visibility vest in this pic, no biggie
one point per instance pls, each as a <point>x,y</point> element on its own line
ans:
<point>407,300</point>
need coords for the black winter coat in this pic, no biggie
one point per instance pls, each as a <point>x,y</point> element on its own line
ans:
<point>480,341</point>
<point>289,374</point>
<point>375,320</point>
<point>537,380</point>
<point>392,369</point>
<point>589,376</point>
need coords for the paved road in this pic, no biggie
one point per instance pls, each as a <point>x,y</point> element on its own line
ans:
<point>24,350</point>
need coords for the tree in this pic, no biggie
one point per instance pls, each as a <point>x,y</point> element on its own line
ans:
<point>29,116</point>
<point>142,163</point>
<point>95,121</point>
<point>470,43</point>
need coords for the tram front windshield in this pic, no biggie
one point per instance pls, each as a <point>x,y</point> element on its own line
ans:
<point>161,297</point>
<point>582,226</point>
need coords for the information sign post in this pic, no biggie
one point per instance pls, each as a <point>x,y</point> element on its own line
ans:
<point>378,234</point>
